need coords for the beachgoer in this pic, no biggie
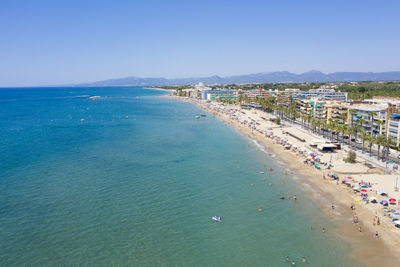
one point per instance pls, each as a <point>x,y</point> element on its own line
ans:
<point>333,206</point>
<point>378,222</point>
<point>293,263</point>
<point>294,197</point>
<point>287,259</point>
<point>323,229</point>
<point>376,234</point>
<point>303,259</point>
<point>359,229</point>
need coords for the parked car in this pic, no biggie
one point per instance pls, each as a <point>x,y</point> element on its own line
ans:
<point>358,141</point>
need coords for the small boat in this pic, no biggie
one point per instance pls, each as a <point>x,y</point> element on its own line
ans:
<point>217,218</point>
<point>197,117</point>
<point>262,172</point>
<point>282,197</point>
<point>203,115</point>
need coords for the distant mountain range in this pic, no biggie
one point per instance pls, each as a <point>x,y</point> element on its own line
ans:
<point>265,77</point>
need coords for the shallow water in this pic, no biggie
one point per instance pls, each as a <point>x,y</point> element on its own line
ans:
<point>140,190</point>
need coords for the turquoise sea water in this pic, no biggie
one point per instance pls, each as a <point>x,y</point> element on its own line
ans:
<point>136,184</point>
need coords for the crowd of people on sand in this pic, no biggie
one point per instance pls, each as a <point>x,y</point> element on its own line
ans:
<point>364,192</point>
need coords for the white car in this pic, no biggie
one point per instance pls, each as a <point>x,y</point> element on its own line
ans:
<point>358,141</point>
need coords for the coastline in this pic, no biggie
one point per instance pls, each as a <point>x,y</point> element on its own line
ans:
<point>366,249</point>
<point>159,89</point>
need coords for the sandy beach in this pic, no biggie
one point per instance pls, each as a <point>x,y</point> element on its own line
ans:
<point>358,225</point>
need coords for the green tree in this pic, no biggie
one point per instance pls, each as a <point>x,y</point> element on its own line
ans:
<point>372,115</point>
<point>380,124</point>
<point>364,137</point>
<point>351,157</point>
<point>352,113</point>
<point>371,142</point>
<point>379,141</point>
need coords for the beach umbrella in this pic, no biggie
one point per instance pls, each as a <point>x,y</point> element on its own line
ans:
<point>394,215</point>
<point>363,190</point>
<point>396,222</point>
<point>358,200</point>
<point>392,200</point>
<point>383,202</point>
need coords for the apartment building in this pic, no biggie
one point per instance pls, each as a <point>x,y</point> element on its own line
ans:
<point>256,93</point>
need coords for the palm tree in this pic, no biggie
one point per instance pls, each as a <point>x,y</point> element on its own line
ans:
<point>343,116</point>
<point>353,130</point>
<point>364,137</point>
<point>348,132</point>
<point>379,141</point>
<point>387,143</point>
<point>371,141</point>
<point>380,124</point>
<point>240,98</point>
<point>361,122</point>
<point>308,119</point>
<point>352,113</point>
<point>372,114</point>
<point>339,129</point>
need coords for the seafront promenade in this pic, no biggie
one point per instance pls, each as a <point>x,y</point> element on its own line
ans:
<point>369,193</point>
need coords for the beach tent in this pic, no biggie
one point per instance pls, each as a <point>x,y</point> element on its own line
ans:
<point>394,215</point>
<point>382,193</point>
<point>396,222</point>
<point>392,201</point>
<point>373,200</point>
<point>383,202</point>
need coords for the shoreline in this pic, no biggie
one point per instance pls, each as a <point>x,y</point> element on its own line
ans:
<point>366,249</point>
<point>160,89</point>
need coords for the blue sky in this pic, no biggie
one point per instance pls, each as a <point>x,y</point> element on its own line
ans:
<point>61,42</point>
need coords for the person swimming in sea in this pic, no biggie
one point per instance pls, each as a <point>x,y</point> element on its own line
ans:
<point>287,259</point>
<point>303,259</point>
<point>294,197</point>
<point>293,263</point>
